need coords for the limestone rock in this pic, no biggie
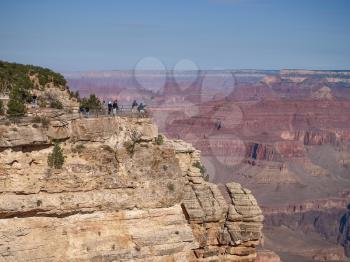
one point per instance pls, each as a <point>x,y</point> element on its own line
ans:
<point>120,196</point>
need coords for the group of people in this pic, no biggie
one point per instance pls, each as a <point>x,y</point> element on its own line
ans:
<point>141,108</point>
<point>113,107</point>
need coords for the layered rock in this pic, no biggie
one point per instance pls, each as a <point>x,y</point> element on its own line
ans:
<point>225,230</point>
<point>120,196</point>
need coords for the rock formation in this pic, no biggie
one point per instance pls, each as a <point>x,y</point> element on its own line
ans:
<point>121,196</point>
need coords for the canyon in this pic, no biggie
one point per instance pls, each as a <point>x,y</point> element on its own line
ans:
<point>282,134</point>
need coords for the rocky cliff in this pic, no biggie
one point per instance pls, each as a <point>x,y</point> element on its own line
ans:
<point>122,195</point>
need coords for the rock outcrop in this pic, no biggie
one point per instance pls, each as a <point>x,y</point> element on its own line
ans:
<point>120,196</point>
<point>224,230</point>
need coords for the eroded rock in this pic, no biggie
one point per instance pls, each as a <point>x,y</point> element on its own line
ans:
<point>120,196</point>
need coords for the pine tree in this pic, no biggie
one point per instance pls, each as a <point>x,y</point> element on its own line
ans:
<point>56,158</point>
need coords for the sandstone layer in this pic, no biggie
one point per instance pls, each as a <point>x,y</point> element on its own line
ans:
<point>121,196</point>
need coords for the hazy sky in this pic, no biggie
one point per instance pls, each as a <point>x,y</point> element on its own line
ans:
<point>71,35</point>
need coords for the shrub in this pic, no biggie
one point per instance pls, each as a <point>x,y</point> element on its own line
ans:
<point>73,94</point>
<point>93,102</point>
<point>56,104</point>
<point>1,108</point>
<point>130,147</point>
<point>77,95</point>
<point>15,106</point>
<point>200,167</point>
<point>78,148</point>
<point>56,158</point>
<point>159,140</point>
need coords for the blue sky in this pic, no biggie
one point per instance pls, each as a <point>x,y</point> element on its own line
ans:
<point>79,35</point>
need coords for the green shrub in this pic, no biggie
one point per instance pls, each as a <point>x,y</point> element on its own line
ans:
<point>56,104</point>
<point>13,75</point>
<point>79,148</point>
<point>56,158</point>
<point>1,108</point>
<point>130,147</point>
<point>201,167</point>
<point>159,140</point>
<point>93,102</point>
<point>73,94</point>
<point>16,105</point>
<point>15,108</point>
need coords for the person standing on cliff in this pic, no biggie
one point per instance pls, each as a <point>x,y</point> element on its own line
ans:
<point>109,107</point>
<point>115,107</point>
<point>134,106</point>
<point>142,109</point>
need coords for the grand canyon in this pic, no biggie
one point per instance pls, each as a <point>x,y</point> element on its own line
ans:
<point>283,134</point>
<point>175,131</point>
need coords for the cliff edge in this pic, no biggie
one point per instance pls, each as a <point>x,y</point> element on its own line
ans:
<point>123,194</point>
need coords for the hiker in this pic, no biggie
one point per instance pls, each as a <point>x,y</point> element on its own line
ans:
<point>115,107</point>
<point>110,106</point>
<point>104,107</point>
<point>134,106</point>
<point>141,109</point>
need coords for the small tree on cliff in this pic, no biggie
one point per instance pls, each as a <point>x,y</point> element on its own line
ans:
<point>93,102</point>
<point>16,106</point>
<point>56,158</point>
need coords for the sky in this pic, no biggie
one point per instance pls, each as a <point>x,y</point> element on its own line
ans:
<point>90,35</point>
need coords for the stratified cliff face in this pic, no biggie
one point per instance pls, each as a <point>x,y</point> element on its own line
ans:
<point>121,196</point>
<point>223,230</point>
